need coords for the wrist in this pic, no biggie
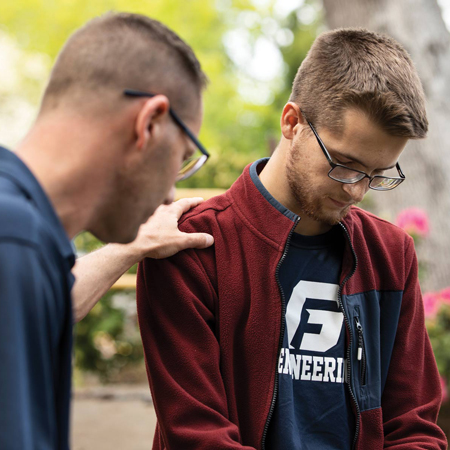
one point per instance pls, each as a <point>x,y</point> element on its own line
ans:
<point>127,254</point>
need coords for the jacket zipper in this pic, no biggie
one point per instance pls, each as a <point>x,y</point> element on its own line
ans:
<point>280,340</point>
<point>347,322</point>
<point>283,312</point>
<point>361,356</point>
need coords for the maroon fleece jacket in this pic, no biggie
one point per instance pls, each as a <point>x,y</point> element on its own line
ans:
<point>210,322</point>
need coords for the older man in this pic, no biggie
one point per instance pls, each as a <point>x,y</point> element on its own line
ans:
<point>116,128</point>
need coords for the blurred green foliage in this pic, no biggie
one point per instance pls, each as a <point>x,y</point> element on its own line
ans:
<point>439,332</point>
<point>103,345</point>
<point>235,130</point>
<point>107,339</point>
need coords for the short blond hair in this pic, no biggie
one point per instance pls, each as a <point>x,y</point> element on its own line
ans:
<point>123,50</point>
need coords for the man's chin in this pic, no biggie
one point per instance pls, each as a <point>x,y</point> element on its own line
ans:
<point>334,218</point>
<point>170,197</point>
<point>121,236</point>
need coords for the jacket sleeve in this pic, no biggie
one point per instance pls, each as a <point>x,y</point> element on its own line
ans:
<point>412,395</point>
<point>176,310</point>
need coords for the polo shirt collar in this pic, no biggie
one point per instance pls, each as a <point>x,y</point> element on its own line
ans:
<point>12,167</point>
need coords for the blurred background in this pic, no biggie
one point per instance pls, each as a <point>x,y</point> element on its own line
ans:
<point>250,50</point>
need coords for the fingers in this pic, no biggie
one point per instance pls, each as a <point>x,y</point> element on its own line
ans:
<point>185,204</point>
<point>160,237</point>
<point>177,208</point>
<point>182,242</point>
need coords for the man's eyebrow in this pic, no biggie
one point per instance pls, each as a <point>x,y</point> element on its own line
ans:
<point>356,160</point>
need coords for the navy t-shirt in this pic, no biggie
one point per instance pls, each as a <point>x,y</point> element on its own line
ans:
<point>36,258</point>
<point>313,409</point>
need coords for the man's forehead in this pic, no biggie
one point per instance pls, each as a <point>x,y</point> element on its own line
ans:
<point>363,141</point>
<point>352,158</point>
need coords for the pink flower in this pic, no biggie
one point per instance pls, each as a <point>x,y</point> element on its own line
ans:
<point>414,221</point>
<point>444,389</point>
<point>445,295</point>
<point>431,304</point>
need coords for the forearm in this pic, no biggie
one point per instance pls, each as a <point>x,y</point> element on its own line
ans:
<point>96,272</point>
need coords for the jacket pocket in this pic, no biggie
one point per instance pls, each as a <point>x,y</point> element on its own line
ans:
<point>361,351</point>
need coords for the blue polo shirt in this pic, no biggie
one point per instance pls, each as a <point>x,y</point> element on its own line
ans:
<point>36,259</point>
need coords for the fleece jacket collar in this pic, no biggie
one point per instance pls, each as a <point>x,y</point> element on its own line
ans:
<point>250,196</point>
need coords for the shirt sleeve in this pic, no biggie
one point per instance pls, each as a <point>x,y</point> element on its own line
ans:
<point>176,304</point>
<point>412,395</point>
<point>27,418</point>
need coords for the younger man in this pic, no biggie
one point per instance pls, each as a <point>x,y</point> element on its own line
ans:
<point>303,327</point>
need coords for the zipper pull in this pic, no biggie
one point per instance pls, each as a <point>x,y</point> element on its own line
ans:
<point>359,328</point>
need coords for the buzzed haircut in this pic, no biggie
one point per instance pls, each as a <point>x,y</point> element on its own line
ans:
<point>359,68</point>
<point>122,50</point>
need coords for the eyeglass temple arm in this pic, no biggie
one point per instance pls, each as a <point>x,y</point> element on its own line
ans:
<point>179,122</point>
<point>402,175</point>
<point>321,144</point>
<point>188,132</point>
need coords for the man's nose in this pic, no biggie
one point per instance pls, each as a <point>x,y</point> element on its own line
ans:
<point>358,190</point>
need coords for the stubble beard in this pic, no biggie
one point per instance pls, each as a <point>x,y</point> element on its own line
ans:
<point>303,190</point>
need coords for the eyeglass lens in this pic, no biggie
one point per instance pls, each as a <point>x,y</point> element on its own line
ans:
<point>191,165</point>
<point>383,182</point>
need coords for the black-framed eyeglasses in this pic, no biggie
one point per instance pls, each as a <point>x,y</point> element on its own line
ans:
<point>195,162</point>
<point>344,174</point>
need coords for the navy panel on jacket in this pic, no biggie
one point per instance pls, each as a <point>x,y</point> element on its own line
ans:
<point>378,313</point>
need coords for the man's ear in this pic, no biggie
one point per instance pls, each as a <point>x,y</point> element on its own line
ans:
<point>151,111</point>
<point>291,117</point>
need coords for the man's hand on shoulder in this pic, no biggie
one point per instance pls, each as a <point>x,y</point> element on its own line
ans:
<point>160,237</point>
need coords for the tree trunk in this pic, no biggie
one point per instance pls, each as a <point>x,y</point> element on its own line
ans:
<point>419,27</point>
